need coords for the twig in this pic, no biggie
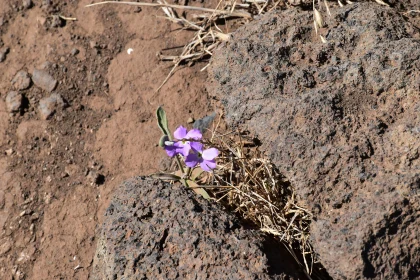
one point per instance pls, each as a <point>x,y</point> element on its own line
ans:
<point>237,14</point>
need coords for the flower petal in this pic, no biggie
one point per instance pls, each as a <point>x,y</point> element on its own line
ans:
<point>208,165</point>
<point>191,160</point>
<point>210,154</point>
<point>185,149</point>
<point>180,133</point>
<point>196,146</point>
<point>194,134</point>
<point>171,150</point>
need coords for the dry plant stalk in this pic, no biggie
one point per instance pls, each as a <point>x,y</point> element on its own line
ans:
<point>208,34</point>
<point>252,187</point>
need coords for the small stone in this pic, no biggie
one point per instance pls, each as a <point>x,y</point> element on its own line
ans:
<point>74,52</point>
<point>3,54</point>
<point>56,21</point>
<point>95,177</point>
<point>21,80</point>
<point>34,217</point>
<point>190,120</point>
<point>46,65</point>
<point>9,152</point>
<point>5,247</point>
<point>23,257</point>
<point>49,105</point>
<point>44,80</point>
<point>13,101</point>
<point>47,3</point>
<point>93,44</point>
<point>2,200</point>
<point>31,228</point>
<point>27,4</point>
<point>47,198</point>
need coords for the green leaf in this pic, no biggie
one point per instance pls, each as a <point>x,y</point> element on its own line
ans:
<point>165,176</point>
<point>162,140</point>
<point>198,190</point>
<point>163,121</point>
<point>196,173</point>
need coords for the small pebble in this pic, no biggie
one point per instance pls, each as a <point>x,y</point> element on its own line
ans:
<point>9,152</point>
<point>5,246</point>
<point>93,44</point>
<point>95,177</point>
<point>46,65</point>
<point>74,52</point>
<point>47,3</point>
<point>21,80</point>
<point>56,21</point>
<point>13,101</point>
<point>49,105</point>
<point>2,200</point>
<point>27,4</point>
<point>3,53</point>
<point>44,80</point>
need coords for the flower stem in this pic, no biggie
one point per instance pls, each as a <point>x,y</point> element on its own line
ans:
<point>178,161</point>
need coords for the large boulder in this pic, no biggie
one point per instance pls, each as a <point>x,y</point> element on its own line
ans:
<point>341,120</point>
<point>155,230</point>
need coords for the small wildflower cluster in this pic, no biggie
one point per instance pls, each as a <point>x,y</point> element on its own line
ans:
<point>188,144</point>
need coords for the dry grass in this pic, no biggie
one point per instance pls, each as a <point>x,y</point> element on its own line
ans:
<point>211,26</point>
<point>214,26</point>
<point>251,186</point>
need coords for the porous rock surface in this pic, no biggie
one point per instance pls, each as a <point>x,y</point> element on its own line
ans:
<point>155,230</point>
<point>341,120</point>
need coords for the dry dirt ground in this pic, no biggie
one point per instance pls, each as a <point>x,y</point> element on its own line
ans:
<point>57,175</point>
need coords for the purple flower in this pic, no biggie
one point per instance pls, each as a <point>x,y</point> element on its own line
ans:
<point>181,145</point>
<point>204,158</point>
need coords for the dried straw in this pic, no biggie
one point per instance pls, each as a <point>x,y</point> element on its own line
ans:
<point>251,186</point>
<point>208,34</point>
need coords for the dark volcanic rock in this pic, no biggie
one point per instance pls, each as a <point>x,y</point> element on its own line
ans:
<point>154,230</point>
<point>341,120</point>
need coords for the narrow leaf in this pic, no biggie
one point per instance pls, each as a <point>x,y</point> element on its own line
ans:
<point>163,139</point>
<point>318,18</point>
<point>198,190</point>
<point>163,122</point>
<point>165,176</point>
<point>196,173</point>
<point>382,3</point>
<point>316,28</point>
<point>339,3</point>
<point>323,39</point>
<point>328,8</point>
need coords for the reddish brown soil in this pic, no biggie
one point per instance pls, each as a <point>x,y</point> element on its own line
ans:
<point>49,205</point>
